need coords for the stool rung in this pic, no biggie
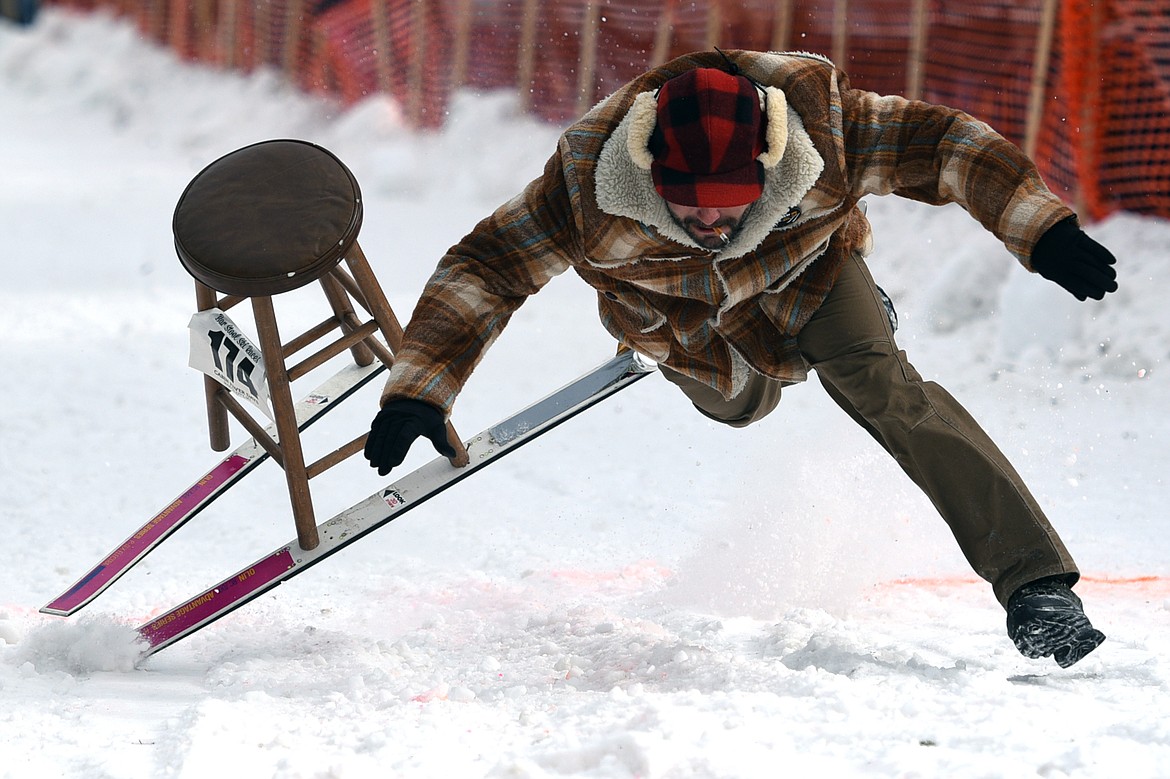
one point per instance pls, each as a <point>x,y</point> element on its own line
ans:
<point>336,456</point>
<point>251,425</point>
<point>316,333</point>
<point>332,350</point>
<point>227,301</point>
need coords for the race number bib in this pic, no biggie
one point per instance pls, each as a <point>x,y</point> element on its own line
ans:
<point>221,351</point>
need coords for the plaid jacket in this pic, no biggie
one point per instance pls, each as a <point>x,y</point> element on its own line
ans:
<point>714,315</point>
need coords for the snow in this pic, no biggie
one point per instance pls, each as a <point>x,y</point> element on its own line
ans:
<point>640,593</point>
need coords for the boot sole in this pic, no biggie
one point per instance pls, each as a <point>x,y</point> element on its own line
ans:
<point>1067,644</point>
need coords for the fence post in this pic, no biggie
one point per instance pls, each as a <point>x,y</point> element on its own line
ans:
<point>1089,168</point>
<point>526,66</point>
<point>156,22</point>
<point>227,32</point>
<point>663,33</point>
<point>261,33</point>
<point>203,33</point>
<point>916,65</point>
<point>381,20</point>
<point>462,43</point>
<point>714,32</point>
<point>840,31</point>
<point>292,36</point>
<point>782,26</point>
<point>416,74</point>
<point>587,67</point>
<point>1039,77</point>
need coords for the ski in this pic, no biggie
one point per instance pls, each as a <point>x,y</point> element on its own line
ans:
<point>201,494</point>
<point>394,500</point>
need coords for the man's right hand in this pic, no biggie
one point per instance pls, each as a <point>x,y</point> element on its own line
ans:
<point>395,428</point>
<point>1066,255</point>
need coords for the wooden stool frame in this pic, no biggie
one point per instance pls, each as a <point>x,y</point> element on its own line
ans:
<point>341,289</point>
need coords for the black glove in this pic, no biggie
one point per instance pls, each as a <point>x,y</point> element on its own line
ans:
<point>1075,261</point>
<point>395,428</point>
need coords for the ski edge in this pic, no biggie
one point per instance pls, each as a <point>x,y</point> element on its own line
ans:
<point>391,502</point>
<point>224,475</point>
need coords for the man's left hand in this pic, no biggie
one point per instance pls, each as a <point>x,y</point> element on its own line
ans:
<point>1066,255</point>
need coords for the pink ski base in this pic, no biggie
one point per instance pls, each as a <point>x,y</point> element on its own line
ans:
<point>216,600</point>
<point>147,536</point>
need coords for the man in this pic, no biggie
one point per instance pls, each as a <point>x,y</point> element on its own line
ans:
<point>713,203</point>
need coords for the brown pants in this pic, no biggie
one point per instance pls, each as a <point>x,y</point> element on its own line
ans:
<point>849,342</point>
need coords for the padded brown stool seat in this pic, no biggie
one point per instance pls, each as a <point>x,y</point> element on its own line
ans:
<point>270,218</point>
<point>267,218</point>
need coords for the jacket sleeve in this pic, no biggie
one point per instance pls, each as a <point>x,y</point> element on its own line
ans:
<point>934,154</point>
<point>476,288</point>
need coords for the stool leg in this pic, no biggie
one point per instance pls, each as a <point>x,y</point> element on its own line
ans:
<point>375,299</point>
<point>346,316</point>
<point>279,391</point>
<point>217,418</point>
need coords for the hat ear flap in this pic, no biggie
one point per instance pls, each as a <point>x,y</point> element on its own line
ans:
<point>776,133</point>
<point>643,118</point>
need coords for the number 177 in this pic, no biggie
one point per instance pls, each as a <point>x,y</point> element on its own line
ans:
<point>241,374</point>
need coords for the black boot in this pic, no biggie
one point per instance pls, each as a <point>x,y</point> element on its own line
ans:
<point>1045,618</point>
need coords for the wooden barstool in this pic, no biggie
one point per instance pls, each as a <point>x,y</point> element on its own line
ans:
<point>270,218</point>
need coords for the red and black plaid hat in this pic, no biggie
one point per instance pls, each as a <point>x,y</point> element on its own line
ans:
<point>709,132</point>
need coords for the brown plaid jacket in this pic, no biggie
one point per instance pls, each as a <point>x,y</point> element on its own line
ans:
<point>714,315</point>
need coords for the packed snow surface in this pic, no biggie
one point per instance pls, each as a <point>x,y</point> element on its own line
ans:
<point>640,593</point>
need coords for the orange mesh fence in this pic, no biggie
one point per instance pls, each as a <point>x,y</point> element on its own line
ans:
<point>975,45</point>
<point>1129,114</point>
<point>1084,85</point>
<point>398,47</point>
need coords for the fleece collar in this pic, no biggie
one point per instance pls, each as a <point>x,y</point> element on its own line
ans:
<point>625,188</point>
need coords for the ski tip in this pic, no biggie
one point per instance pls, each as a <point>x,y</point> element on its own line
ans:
<point>56,612</point>
<point>74,600</point>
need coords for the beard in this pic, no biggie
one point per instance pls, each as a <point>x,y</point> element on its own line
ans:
<point>704,235</point>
